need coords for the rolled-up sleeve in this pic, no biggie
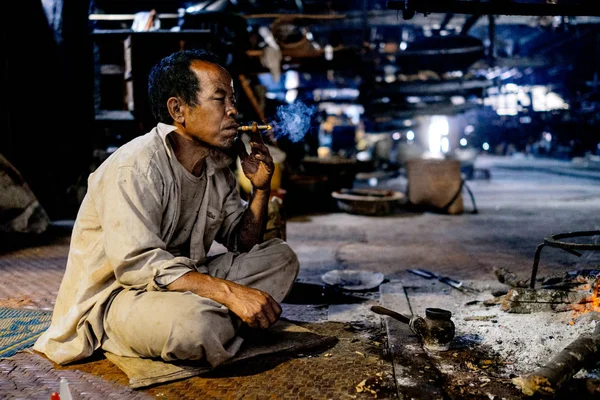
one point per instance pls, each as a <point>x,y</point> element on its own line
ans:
<point>131,219</point>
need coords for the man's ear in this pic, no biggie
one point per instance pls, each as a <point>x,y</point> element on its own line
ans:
<point>176,107</point>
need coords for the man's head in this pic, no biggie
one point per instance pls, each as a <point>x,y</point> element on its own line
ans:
<point>191,90</point>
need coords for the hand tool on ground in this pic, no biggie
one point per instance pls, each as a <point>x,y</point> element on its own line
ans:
<point>444,279</point>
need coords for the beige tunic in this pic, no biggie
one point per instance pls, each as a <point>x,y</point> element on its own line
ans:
<point>121,236</point>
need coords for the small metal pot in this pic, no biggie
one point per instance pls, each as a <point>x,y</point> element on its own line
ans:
<point>436,329</point>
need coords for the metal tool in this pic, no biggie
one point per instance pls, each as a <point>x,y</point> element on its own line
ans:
<point>436,331</point>
<point>390,313</point>
<point>244,128</point>
<point>444,279</point>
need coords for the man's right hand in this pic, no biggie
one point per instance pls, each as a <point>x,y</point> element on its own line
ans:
<point>254,307</point>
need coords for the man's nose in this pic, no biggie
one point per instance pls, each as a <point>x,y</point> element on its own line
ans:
<point>232,112</point>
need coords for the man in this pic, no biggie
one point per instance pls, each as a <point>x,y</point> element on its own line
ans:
<point>138,281</point>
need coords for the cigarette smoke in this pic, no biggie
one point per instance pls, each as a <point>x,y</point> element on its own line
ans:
<point>293,121</point>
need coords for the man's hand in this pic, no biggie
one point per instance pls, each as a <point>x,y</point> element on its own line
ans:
<point>254,307</point>
<point>258,166</point>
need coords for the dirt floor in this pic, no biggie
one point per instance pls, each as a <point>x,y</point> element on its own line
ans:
<point>523,202</point>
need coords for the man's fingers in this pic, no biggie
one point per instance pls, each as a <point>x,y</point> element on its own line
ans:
<point>264,321</point>
<point>254,323</point>
<point>271,315</point>
<point>260,147</point>
<point>256,136</point>
<point>257,308</point>
<point>261,152</point>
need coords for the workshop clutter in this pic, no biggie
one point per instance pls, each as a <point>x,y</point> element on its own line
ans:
<point>64,392</point>
<point>436,185</point>
<point>20,210</point>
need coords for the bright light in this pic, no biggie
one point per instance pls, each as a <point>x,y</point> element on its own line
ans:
<point>469,129</point>
<point>493,74</point>
<point>523,96</point>
<point>396,135</point>
<point>410,135</point>
<point>193,9</point>
<point>525,119</point>
<point>511,88</point>
<point>507,111</point>
<point>511,98</point>
<point>486,146</point>
<point>546,100</point>
<point>555,102</point>
<point>439,123</point>
<point>509,74</point>
<point>363,156</point>
<point>373,182</point>
<point>547,136</point>
<point>328,52</point>
<point>463,142</point>
<point>353,111</point>
<point>291,95</point>
<point>323,152</point>
<point>457,100</point>
<point>403,45</point>
<point>292,79</point>
<point>326,94</point>
<point>445,144</point>
<point>437,128</point>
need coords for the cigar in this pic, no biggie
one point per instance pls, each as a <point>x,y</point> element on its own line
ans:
<point>244,128</point>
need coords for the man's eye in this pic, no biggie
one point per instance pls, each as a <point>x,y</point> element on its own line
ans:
<point>221,99</point>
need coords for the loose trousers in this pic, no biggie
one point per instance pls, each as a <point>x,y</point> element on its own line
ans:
<point>185,326</point>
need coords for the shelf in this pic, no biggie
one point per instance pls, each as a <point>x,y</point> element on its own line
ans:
<point>167,32</point>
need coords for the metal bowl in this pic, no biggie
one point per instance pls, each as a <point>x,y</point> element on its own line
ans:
<point>368,201</point>
<point>352,279</point>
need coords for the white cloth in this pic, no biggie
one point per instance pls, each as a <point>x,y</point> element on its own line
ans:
<point>123,228</point>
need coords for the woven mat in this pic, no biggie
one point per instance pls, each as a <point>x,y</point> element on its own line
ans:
<point>282,337</point>
<point>20,328</point>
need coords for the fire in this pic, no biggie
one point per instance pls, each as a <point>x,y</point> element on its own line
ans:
<point>592,303</point>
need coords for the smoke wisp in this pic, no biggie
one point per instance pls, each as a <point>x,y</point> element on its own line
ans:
<point>293,121</point>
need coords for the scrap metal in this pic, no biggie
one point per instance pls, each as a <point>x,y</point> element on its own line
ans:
<point>570,247</point>
<point>458,285</point>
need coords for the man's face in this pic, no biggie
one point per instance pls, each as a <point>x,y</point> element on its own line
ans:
<point>212,120</point>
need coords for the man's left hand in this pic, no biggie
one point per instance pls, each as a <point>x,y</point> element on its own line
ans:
<point>258,166</point>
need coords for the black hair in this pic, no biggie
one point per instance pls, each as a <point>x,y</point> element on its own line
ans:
<point>173,77</point>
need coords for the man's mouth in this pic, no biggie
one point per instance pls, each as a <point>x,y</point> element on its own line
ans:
<point>231,128</point>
